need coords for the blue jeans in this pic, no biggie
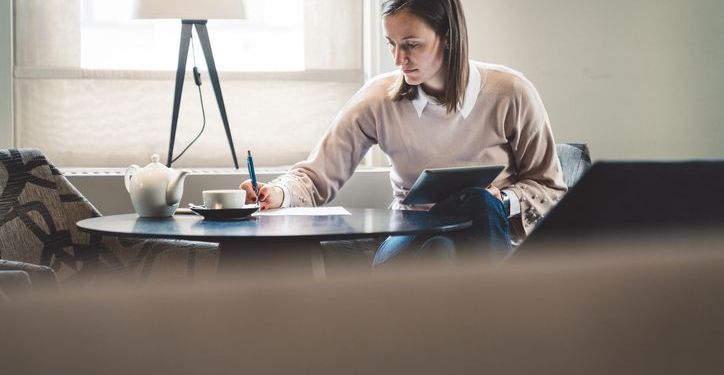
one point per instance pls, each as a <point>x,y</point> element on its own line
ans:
<point>489,236</point>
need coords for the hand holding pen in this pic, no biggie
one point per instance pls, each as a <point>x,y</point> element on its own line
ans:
<point>266,196</point>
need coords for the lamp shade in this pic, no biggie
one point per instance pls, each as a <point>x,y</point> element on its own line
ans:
<point>188,9</point>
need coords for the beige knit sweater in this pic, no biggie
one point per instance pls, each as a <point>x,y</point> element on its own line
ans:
<point>502,121</point>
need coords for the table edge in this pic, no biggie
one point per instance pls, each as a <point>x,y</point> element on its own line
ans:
<point>218,239</point>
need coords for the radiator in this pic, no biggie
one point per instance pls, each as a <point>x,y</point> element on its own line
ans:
<point>104,187</point>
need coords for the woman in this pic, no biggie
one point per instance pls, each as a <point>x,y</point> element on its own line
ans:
<point>437,110</point>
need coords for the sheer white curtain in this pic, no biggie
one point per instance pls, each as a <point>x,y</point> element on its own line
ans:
<point>81,117</point>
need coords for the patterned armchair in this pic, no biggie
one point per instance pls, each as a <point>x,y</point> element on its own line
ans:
<point>38,211</point>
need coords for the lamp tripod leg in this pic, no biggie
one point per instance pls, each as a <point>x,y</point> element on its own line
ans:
<point>213,74</point>
<point>183,53</point>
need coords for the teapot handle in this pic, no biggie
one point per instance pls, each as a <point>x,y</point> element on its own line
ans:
<point>130,171</point>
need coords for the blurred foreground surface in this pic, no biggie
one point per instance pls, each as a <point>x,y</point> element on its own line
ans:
<point>628,306</point>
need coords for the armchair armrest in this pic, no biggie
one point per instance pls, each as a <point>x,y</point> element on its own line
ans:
<point>13,284</point>
<point>39,275</point>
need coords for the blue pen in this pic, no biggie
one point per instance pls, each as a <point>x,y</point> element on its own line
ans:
<point>252,174</point>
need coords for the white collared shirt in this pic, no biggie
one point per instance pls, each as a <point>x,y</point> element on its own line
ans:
<point>471,95</point>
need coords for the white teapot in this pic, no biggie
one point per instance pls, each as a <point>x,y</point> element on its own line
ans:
<point>155,189</point>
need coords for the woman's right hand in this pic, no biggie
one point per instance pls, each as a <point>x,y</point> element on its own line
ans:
<point>269,196</point>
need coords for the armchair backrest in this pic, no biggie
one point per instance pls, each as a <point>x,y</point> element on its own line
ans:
<point>575,160</point>
<point>38,209</point>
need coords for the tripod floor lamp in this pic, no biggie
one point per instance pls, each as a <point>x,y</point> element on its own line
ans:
<point>193,14</point>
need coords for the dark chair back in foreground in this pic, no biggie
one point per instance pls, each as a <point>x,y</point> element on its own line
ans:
<point>615,198</point>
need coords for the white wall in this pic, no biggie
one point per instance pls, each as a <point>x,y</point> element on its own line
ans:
<point>6,91</point>
<point>632,78</point>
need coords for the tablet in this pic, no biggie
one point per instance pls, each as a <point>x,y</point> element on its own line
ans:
<point>436,184</point>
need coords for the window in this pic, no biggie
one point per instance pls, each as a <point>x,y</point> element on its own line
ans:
<point>270,39</point>
<point>94,88</point>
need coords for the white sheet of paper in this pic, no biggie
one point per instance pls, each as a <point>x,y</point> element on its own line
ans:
<point>304,211</point>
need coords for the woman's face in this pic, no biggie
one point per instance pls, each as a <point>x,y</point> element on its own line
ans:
<point>417,50</point>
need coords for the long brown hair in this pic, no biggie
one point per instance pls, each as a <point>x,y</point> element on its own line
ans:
<point>447,19</point>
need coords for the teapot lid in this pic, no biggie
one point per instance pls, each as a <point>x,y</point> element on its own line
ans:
<point>155,162</point>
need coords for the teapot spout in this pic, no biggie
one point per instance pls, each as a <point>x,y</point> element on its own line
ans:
<point>175,188</point>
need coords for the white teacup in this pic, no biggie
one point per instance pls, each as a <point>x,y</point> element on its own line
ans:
<point>218,199</point>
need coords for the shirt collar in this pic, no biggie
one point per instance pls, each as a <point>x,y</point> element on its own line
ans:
<point>471,94</point>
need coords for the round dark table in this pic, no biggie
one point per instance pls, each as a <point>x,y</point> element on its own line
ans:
<point>260,239</point>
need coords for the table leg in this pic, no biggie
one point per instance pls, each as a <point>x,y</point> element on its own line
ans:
<point>271,257</point>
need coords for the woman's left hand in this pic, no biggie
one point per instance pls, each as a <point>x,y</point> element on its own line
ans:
<point>494,191</point>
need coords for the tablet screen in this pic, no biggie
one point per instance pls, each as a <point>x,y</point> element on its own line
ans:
<point>434,185</point>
